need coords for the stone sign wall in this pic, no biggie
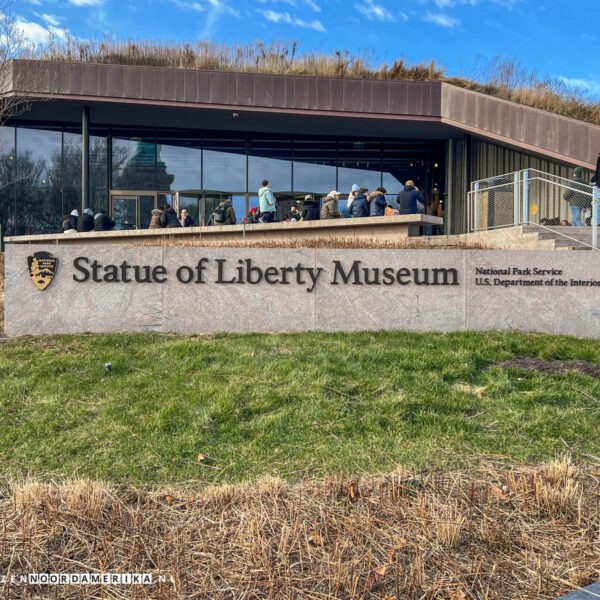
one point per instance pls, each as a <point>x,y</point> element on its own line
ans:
<point>76,289</point>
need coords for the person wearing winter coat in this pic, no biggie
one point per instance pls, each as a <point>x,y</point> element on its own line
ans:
<point>224,214</point>
<point>410,200</point>
<point>351,197</point>
<point>360,206</point>
<point>294,214</point>
<point>186,220</point>
<point>102,222</point>
<point>69,224</point>
<point>155,220</point>
<point>169,217</point>
<point>85,221</point>
<point>377,202</point>
<point>310,209</point>
<point>267,203</point>
<point>576,197</point>
<point>330,206</point>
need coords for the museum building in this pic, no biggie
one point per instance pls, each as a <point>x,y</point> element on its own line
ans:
<point>126,139</point>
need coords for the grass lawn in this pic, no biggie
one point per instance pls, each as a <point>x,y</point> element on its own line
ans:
<point>288,405</point>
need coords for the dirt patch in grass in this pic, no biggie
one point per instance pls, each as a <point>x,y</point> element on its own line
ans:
<point>553,367</point>
<point>495,533</point>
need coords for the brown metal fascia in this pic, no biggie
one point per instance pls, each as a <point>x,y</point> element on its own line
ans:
<point>230,107</point>
<point>518,144</point>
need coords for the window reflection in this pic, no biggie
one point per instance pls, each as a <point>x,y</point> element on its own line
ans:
<point>403,161</point>
<point>315,166</point>
<point>270,159</point>
<point>182,157</point>
<point>39,209</point>
<point>360,164</point>
<point>7,178</point>
<point>224,164</point>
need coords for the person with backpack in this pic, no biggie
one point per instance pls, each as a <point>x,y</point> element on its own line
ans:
<point>224,213</point>
<point>102,222</point>
<point>267,203</point>
<point>85,221</point>
<point>169,217</point>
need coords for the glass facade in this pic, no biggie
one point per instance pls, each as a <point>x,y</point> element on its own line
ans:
<point>40,171</point>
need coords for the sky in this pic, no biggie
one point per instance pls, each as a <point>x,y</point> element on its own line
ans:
<point>555,38</point>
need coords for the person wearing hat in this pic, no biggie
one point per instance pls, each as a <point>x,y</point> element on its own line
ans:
<point>310,209</point>
<point>85,221</point>
<point>351,196</point>
<point>69,224</point>
<point>330,206</point>
<point>360,206</point>
<point>577,197</point>
<point>410,200</point>
<point>253,215</point>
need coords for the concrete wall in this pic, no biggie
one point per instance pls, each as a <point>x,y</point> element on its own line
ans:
<point>306,295</point>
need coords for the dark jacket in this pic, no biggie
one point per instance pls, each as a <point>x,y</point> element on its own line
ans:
<point>295,214</point>
<point>577,196</point>
<point>407,200</point>
<point>85,222</point>
<point>103,223</point>
<point>310,210</point>
<point>155,220</point>
<point>377,204</point>
<point>252,217</point>
<point>169,218</point>
<point>188,222</point>
<point>69,222</point>
<point>330,209</point>
<point>359,206</point>
<point>225,214</point>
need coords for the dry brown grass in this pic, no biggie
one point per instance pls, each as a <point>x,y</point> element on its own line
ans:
<point>525,532</point>
<point>325,242</point>
<point>503,78</point>
<point>1,294</point>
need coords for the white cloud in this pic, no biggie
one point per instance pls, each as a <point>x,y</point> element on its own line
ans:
<point>222,8</point>
<point>378,12</point>
<point>193,6</point>
<point>49,19</point>
<point>36,34</point>
<point>85,2</point>
<point>284,17</point>
<point>590,86</point>
<point>442,19</point>
<point>310,3</point>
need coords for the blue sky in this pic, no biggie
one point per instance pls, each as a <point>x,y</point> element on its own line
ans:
<point>556,38</point>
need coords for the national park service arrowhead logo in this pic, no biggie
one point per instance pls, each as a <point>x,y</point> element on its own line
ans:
<point>42,268</point>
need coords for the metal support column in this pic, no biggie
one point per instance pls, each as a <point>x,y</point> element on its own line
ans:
<point>517,199</point>
<point>526,196</point>
<point>476,216</point>
<point>85,158</point>
<point>595,215</point>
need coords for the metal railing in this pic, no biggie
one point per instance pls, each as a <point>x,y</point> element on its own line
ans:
<point>532,197</point>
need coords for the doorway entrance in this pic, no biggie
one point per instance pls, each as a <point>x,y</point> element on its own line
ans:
<point>133,209</point>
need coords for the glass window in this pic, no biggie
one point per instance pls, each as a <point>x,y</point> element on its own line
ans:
<point>224,164</point>
<point>72,170</point>
<point>270,159</point>
<point>7,178</point>
<point>315,166</point>
<point>134,162</point>
<point>39,208</point>
<point>181,156</point>
<point>239,206</point>
<point>359,163</point>
<point>403,161</point>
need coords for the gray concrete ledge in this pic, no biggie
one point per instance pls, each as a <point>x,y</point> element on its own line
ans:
<point>368,228</point>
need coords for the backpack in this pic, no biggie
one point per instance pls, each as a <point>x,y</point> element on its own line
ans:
<point>219,214</point>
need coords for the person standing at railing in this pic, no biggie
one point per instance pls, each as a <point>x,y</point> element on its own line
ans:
<point>576,197</point>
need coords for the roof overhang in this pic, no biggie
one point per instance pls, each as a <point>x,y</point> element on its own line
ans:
<point>381,107</point>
